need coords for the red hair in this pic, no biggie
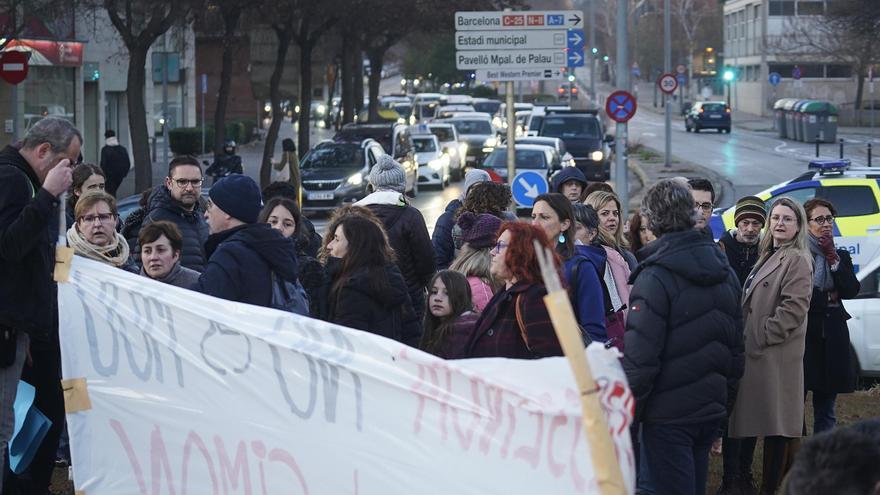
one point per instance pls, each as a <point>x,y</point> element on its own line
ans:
<point>520,257</point>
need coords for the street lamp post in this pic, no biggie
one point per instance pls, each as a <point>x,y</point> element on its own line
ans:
<point>728,77</point>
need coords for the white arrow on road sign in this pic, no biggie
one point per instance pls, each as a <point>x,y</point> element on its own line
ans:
<point>575,38</point>
<point>531,189</point>
<point>547,74</point>
<point>575,57</point>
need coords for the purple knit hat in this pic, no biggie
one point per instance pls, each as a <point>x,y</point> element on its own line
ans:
<point>480,231</point>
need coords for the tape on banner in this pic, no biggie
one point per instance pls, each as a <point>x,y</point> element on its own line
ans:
<point>63,260</point>
<point>76,395</point>
<point>79,492</point>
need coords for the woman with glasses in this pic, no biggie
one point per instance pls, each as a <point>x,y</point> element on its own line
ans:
<point>94,235</point>
<point>86,178</point>
<point>515,323</point>
<point>828,368</point>
<point>474,260</point>
<point>776,298</point>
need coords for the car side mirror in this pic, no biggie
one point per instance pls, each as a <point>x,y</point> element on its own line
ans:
<point>608,138</point>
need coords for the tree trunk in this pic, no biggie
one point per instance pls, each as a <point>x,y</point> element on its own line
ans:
<point>347,77</point>
<point>277,114</point>
<point>137,118</point>
<point>376,61</point>
<point>358,65</point>
<point>333,76</point>
<point>305,94</point>
<point>230,22</point>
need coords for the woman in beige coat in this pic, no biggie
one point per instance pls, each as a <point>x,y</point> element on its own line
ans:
<point>776,298</point>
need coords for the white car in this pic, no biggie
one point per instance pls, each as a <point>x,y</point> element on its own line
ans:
<point>446,111</point>
<point>448,138</point>
<point>433,163</point>
<point>864,326</point>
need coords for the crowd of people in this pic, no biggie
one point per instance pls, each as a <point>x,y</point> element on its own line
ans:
<point>720,341</point>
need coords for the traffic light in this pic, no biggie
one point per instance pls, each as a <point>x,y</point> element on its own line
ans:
<point>605,58</point>
<point>595,50</point>
<point>729,74</point>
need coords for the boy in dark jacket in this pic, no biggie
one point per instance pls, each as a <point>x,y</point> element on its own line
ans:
<point>243,254</point>
<point>405,226</point>
<point>684,352</point>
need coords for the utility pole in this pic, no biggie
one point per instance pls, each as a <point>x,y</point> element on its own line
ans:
<point>620,171</point>
<point>667,68</point>
<point>164,59</point>
<point>593,53</point>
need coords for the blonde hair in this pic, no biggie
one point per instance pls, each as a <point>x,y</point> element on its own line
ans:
<point>90,199</point>
<point>798,243</point>
<point>472,262</point>
<point>597,200</point>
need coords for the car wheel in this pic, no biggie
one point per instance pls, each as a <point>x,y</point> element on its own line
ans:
<point>456,174</point>
<point>415,189</point>
<point>727,130</point>
<point>696,129</point>
<point>687,128</point>
<point>720,130</point>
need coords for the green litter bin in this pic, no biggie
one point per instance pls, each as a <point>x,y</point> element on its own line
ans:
<point>819,118</point>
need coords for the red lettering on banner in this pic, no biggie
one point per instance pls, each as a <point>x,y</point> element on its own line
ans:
<point>532,454</point>
<point>556,468</point>
<point>535,20</point>
<point>513,20</point>
<point>194,438</point>
<point>239,469</point>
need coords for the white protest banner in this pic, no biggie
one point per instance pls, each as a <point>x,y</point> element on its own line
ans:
<point>188,394</point>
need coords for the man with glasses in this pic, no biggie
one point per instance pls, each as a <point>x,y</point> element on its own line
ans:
<point>177,201</point>
<point>33,174</point>
<point>704,201</point>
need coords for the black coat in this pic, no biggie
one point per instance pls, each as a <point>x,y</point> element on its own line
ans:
<point>828,362</point>
<point>441,239</point>
<point>684,352</point>
<point>742,257</point>
<point>241,263</point>
<point>192,225</point>
<point>116,164</point>
<point>408,235</point>
<point>366,302</point>
<point>28,214</point>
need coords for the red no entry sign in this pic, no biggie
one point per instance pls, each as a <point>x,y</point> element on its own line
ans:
<point>13,66</point>
<point>620,106</point>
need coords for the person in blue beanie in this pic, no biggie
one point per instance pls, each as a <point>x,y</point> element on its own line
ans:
<point>243,254</point>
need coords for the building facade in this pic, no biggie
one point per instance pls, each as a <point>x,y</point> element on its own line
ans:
<point>756,45</point>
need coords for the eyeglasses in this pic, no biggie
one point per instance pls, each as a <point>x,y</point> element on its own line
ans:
<point>703,206</point>
<point>823,220</point>
<point>181,183</point>
<point>499,246</point>
<point>101,217</point>
<point>784,220</point>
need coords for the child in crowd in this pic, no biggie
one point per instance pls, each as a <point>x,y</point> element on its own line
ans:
<point>450,318</point>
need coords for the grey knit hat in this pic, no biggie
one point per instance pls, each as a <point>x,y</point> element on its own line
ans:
<point>388,174</point>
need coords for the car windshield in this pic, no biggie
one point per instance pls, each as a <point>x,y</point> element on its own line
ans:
<point>535,123</point>
<point>402,109</point>
<point>713,107</point>
<point>421,145</point>
<point>539,142</point>
<point>443,134</point>
<point>427,109</point>
<point>335,156</point>
<point>572,127</point>
<point>473,127</point>
<point>489,107</point>
<point>522,158</point>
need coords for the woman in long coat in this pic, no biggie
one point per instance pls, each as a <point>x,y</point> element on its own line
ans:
<point>828,367</point>
<point>776,297</point>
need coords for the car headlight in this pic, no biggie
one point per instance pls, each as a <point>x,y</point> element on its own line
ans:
<point>451,151</point>
<point>462,148</point>
<point>490,142</point>
<point>597,156</point>
<point>356,179</point>
<point>439,163</point>
<point>497,122</point>
<point>401,120</point>
<point>412,120</point>
<point>321,109</point>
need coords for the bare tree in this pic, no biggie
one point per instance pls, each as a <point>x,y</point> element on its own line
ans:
<point>282,18</point>
<point>847,32</point>
<point>140,24</point>
<point>691,16</point>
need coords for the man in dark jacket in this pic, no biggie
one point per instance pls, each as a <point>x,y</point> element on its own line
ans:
<point>571,183</point>
<point>114,162</point>
<point>243,254</point>
<point>32,176</point>
<point>684,352</point>
<point>444,246</point>
<point>741,244</point>
<point>405,226</point>
<point>177,201</point>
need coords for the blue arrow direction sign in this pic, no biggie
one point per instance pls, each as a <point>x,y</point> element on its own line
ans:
<point>682,79</point>
<point>575,58</point>
<point>526,186</point>
<point>575,40</point>
<point>774,78</point>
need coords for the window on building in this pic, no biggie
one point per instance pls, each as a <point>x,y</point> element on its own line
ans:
<point>49,91</point>
<point>810,8</point>
<point>838,70</point>
<point>781,7</point>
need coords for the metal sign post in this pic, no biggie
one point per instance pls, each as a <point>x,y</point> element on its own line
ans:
<point>667,67</point>
<point>620,169</point>
<point>511,134</point>
<point>204,90</point>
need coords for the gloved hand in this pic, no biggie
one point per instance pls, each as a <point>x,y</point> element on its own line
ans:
<point>826,244</point>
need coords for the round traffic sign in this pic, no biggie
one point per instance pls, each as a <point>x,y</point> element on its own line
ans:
<point>668,83</point>
<point>620,106</point>
<point>13,66</point>
<point>526,186</point>
<point>774,78</point>
<point>681,69</point>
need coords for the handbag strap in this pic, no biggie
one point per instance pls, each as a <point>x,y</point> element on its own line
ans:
<point>520,323</point>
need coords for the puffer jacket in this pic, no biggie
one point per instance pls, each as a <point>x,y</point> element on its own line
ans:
<point>192,225</point>
<point>585,291</point>
<point>444,248</point>
<point>241,263</point>
<point>684,352</point>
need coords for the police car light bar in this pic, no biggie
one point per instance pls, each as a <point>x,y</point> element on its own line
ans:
<point>825,167</point>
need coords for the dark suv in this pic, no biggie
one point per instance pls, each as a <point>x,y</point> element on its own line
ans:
<point>585,139</point>
<point>336,172</point>
<point>708,115</point>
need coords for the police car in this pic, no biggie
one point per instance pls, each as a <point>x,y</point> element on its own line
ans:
<point>854,192</point>
<point>864,326</point>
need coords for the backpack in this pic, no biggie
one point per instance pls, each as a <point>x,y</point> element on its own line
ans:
<point>289,296</point>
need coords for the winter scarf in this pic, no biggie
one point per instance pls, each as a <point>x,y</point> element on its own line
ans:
<point>822,278</point>
<point>115,253</point>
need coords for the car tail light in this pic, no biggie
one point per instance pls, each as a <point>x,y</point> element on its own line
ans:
<point>727,110</point>
<point>702,110</point>
<point>561,90</point>
<point>574,89</point>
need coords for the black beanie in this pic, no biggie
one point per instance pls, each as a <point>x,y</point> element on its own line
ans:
<point>239,196</point>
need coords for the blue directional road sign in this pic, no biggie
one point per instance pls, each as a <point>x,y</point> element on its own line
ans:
<point>682,79</point>
<point>555,20</point>
<point>774,78</point>
<point>575,40</point>
<point>575,58</point>
<point>528,185</point>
